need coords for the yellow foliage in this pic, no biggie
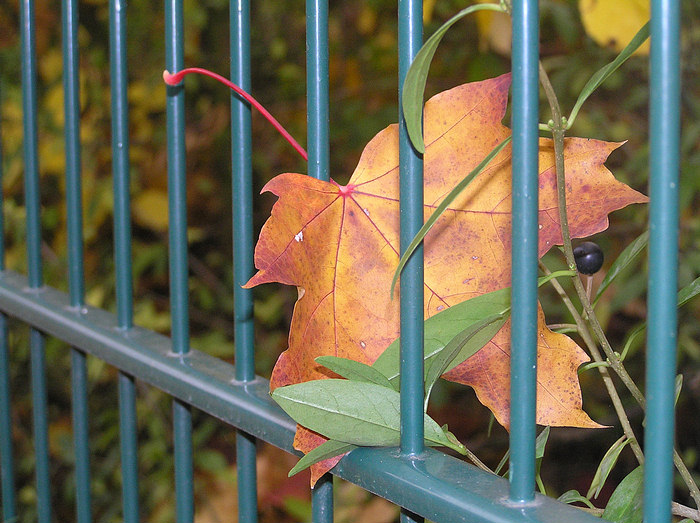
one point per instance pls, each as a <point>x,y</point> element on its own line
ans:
<point>51,65</point>
<point>494,30</point>
<point>150,209</point>
<point>614,23</point>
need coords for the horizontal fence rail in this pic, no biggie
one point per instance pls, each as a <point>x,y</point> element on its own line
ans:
<point>437,486</point>
<point>424,482</point>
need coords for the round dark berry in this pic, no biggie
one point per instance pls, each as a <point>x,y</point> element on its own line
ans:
<point>589,258</point>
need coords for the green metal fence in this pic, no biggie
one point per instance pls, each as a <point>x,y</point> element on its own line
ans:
<point>425,482</point>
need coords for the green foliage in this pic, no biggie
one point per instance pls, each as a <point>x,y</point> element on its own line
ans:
<point>625,505</point>
<point>358,413</point>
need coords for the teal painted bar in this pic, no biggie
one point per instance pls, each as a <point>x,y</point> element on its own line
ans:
<point>74,210</point>
<point>41,425</point>
<point>434,485</point>
<point>31,147</point>
<point>177,249</point>
<point>664,133</point>
<point>7,463</point>
<point>184,469</point>
<point>243,241</point>
<point>177,182</point>
<point>128,448</point>
<point>35,276</point>
<point>81,442</point>
<point>322,500</point>
<point>317,137</point>
<point>317,88</point>
<point>411,210</point>
<point>242,179</point>
<point>120,161</point>
<point>122,252</point>
<point>246,477</point>
<point>74,201</point>
<point>523,381</point>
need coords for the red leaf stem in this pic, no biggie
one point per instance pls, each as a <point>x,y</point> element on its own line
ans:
<point>176,78</point>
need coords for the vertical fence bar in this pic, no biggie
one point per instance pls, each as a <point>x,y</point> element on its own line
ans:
<point>122,252</point>
<point>7,465</point>
<point>242,181</point>
<point>177,249</point>
<point>317,116</point>
<point>411,209</point>
<point>663,259</point>
<point>35,278</point>
<point>411,220</point>
<point>317,88</point>
<point>523,377</point>
<point>74,206</point>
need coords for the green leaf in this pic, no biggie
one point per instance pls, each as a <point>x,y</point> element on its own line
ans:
<point>689,292</point>
<point>605,466</point>
<point>636,332</point>
<point>684,296</point>
<point>461,347</point>
<point>327,450</point>
<point>679,387</point>
<point>604,72</point>
<point>354,370</point>
<point>414,84</point>
<point>440,329</point>
<point>625,505</point>
<point>541,443</point>
<point>442,207</point>
<point>363,414</point>
<point>573,496</point>
<point>622,261</point>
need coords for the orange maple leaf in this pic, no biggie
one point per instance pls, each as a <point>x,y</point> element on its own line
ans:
<point>340,246</point>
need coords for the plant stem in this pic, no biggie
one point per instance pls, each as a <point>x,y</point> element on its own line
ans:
<point>558,127</point>
<point>607,380</point>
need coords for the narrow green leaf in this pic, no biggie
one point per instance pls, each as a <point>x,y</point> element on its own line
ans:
<point>605,466</point>
<point>689,292</point>
<point>327,450</point>
<point>359,413</point>
<point>461,347</point>
<point>604,72</point>
<point>623,260</point>
<point>638,331</point>
<point>442,207</point>
<point>354,370</point>
<point>679,386</point>
<point>414,84</point>
<point>556,274</point>
<point>440,329</point>
<point>625,505</point>
<point>686,294</point>
<point>541,443</point>
<point>573,496</point>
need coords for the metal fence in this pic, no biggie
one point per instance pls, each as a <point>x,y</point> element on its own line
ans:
<point>425,482</point>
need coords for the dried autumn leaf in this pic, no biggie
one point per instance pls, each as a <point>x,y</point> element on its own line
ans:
<point>339,245</point>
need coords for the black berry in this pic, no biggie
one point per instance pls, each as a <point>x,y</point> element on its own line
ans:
<point>589,258</point>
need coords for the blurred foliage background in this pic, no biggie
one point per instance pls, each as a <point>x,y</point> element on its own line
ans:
<point>577,39</point>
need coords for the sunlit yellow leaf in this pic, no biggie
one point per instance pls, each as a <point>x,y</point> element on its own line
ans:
<point>494,30</point>
<point>614,23</point>
<point>150,209</point>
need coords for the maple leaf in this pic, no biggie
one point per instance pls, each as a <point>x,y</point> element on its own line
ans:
<point>340,246</point>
